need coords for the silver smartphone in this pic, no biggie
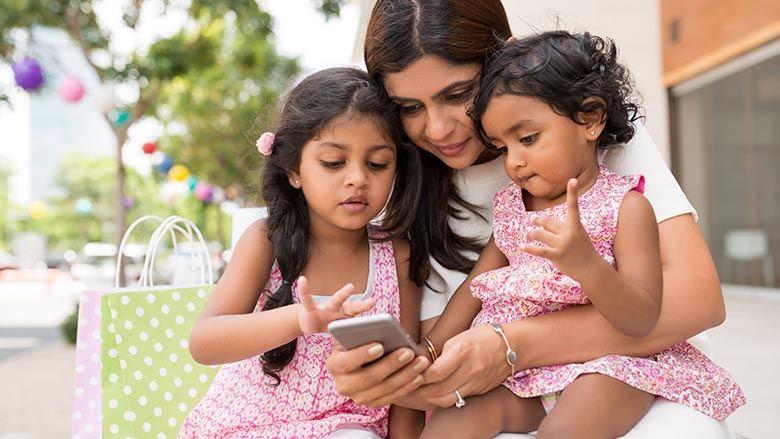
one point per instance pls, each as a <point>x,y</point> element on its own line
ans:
<point>375,328</point>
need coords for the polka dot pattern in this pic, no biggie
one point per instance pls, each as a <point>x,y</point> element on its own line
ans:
<point>149,379</point>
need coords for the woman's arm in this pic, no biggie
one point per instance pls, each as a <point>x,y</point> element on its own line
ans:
<point>692,303</point>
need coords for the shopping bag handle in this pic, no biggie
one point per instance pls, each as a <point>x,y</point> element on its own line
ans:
<point>170,224</point>
<point>187,228</point>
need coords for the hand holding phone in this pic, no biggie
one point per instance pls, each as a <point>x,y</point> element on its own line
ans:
<point>375,328</point>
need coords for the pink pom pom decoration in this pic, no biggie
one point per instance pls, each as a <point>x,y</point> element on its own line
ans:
<point>71,89</point>
<point>265,143</point>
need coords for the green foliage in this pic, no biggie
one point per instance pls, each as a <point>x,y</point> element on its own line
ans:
<point>331,8</point>
<point>70,326</point>
<point>219,103</point>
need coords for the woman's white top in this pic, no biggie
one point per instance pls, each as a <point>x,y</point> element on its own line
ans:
<point>477,185</point>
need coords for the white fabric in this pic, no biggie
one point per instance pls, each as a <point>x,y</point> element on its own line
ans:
<point>666,420</point>
<point>354,431</point>
<point>641,156</point>
<point>477,184</point>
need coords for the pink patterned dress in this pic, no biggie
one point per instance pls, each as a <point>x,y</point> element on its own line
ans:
<point>241,404</point>
<point>531,286</point>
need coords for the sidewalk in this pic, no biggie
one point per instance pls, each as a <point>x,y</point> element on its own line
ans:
<point>41,380</point>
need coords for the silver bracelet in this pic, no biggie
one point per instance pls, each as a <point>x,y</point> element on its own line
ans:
<point>511,357</point>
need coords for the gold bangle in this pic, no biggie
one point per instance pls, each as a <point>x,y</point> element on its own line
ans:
<point>431,349</point>
<point>511,357</point>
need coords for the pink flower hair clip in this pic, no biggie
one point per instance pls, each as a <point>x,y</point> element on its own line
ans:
<point>265,144</point>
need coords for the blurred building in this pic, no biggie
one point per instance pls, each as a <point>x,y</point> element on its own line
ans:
<point>721,64</point>
<point>43,128</point>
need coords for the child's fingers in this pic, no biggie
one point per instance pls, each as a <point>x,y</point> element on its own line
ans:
<point>356,307</point>
<point>339,297</point>
<point>548,223</point>
<point>537,250</point>
<point>303,291</point>
<point>541,235</point>
<point>572,208</point>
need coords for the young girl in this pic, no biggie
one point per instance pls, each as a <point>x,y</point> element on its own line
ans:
<point>567,232</point>
<point>336,161</point>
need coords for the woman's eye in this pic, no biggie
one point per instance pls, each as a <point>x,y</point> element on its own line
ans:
<point>409,110</point>
<point>331,165</point>
<point>460,97</point>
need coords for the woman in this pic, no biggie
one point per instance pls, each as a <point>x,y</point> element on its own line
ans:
<point>428,56</point>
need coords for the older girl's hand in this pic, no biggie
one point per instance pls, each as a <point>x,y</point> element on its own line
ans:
<point>377,384</point>
<point>473,362</point>
<point>314,317</point>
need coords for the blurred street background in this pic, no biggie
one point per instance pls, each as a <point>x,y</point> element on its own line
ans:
<point>115,109</point>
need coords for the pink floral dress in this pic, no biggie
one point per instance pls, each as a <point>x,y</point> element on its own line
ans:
<point>241,404</point>
<point>532,286</point>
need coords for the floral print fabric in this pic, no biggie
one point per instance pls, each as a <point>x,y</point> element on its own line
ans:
<point>241,404</point>
<point>531,286</point>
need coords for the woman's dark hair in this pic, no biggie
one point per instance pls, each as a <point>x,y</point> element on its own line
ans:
<point>458,31</point>
<point>308,109</point>
<point>563,70</point>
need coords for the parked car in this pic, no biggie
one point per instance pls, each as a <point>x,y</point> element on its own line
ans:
<point>95,264</point>
<point>8,261</point>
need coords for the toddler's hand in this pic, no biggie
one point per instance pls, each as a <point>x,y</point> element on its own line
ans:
<point>314,317</point>
<point>569,246</point>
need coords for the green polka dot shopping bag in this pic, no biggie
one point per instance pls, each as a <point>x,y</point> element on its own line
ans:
<point>135,377</point>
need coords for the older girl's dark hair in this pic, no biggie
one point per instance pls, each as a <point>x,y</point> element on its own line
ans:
<point>308,109</point>
<point>399,33</point>
<point>563,70</point>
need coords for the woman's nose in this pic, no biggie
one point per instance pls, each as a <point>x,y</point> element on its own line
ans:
<point>438,125</point>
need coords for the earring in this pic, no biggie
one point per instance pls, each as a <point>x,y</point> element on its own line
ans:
<point>297,182</point>
<point>592,133</point>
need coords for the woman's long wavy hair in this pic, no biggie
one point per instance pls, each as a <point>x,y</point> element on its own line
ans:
<point>563,70</point>
<point>459,31</point>
<point>308,109</point>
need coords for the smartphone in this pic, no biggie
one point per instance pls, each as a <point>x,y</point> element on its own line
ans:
<point>375,328</point>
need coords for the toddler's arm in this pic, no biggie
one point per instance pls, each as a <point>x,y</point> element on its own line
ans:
<point>629,298</point>
<point>463,306</point>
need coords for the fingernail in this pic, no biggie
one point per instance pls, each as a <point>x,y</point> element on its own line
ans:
<point>406,356</point>
<point>418,380</point>
<point>420,365</point>
<point>375,350</point>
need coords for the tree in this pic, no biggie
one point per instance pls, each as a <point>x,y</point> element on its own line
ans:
<point>222,42</point>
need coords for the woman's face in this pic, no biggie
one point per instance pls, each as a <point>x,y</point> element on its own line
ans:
<point>433,96</point>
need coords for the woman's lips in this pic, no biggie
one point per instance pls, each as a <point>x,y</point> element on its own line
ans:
<point>452,149</point>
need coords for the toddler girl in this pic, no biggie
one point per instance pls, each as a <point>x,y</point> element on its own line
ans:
<point>566,232</point>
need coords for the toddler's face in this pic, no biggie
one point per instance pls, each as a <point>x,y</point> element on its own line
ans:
<point>542,149</point>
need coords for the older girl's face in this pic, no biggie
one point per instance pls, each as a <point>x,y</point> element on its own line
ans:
<point>433,96</point>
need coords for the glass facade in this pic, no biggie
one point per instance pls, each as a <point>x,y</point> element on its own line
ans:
<point>726,153</point>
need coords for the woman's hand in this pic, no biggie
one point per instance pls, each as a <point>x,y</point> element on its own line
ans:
<point>314,318</point>
<point>473,362</point>
<point>378,384</point>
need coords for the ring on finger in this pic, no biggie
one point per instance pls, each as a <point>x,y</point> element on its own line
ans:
<point>460,402</point>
